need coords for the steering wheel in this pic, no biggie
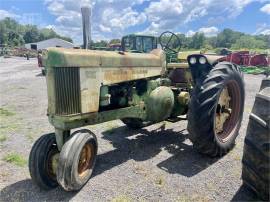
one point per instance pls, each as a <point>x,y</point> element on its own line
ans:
<point>167,45</point>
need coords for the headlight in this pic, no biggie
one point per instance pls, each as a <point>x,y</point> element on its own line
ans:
<point>202,60</point>
<point>192,60</point>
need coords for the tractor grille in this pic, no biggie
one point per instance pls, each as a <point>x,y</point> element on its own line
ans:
<point>67,90</point>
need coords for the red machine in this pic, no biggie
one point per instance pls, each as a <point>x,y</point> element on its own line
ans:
<point>246,59</point>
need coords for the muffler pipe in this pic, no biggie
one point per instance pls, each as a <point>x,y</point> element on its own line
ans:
<point>86,20</point>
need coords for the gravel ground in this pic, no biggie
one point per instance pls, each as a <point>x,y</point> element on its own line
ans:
<point>156,163</point>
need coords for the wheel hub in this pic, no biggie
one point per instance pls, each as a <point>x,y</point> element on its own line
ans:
<point>85,160</point>
<point>52,162</point>
<point>223,111</point>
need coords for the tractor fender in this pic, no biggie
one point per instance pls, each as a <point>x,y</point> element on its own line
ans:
<point>200,70</point>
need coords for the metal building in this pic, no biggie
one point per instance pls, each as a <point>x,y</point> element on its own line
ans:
<point>54,42</point>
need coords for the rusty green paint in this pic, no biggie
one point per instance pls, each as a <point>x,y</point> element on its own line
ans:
<point>60,57</point>
<point>105,68</point>
<point>80,120</point>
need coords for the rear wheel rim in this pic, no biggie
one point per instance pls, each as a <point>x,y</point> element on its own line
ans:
<point>227,111</point>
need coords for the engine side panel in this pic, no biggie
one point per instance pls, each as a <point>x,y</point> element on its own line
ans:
<point>97,68</point>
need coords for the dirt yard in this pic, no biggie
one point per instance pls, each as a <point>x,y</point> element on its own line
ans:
<point>152,164</point>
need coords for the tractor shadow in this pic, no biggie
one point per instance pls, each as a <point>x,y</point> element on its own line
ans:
<point>25,190</point>
<point>139,145</point>
<point>40,75</point>
<point>245,194</point>
<point>144,144</point>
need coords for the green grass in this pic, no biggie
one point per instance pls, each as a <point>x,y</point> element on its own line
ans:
<point>194,197</point>
<point>5,112</point>
<point>110,128</point>
<point>3,138</point>
<point>160,181</point>
<point>121,198</point>
<point>15,159</point>
<point>8,121</point>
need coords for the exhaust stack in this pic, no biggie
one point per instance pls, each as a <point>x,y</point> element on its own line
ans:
<point>86,20</point>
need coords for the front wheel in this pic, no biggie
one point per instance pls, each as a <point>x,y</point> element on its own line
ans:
<point>77,160</point>
<point>43,162</point>
<point>216,110</point>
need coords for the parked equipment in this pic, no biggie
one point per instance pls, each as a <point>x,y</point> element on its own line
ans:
<point>245,58</point>
<point>87,87</point>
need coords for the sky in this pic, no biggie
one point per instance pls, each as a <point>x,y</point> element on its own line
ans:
<point>115,18</point>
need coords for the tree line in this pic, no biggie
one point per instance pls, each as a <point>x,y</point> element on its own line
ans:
<point>228,38</point>
<point>14,34</point>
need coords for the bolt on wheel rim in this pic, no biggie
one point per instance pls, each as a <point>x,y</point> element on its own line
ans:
<point>86,159</point>
<point>227,111</point>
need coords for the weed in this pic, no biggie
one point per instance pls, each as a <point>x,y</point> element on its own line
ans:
<point>111,127</point>
<point>160,181</point>
<point>15,159</point>
<point>121,198</point>
<point>3,138</point>
<point>195,197</point>
<point>5,112</point>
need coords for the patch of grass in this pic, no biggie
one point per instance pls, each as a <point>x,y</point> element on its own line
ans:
<point>3,138</point>
<point>121,198</point>
<point>195,197</point>
<point>110,128</point>
<point>160,181</point>
<point>30,137</point>
<point>5,112</point>
<point>8,121</point>
<point>8,128</point>
<point>15,159</point>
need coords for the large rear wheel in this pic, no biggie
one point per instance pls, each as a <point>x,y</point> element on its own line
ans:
<point>216,110</point>
<point>256,156</point>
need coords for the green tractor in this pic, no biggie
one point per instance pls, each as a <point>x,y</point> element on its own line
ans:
<point>142,87</point>
<point>136,43</point>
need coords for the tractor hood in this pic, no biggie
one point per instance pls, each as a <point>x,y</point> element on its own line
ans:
<point>60,57</point>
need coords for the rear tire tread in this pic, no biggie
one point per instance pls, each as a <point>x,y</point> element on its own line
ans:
<point>256,156</point>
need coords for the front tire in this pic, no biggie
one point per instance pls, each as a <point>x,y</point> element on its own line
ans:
<point>216,110</point>
<point>77,160</point>
<point>43,162</point>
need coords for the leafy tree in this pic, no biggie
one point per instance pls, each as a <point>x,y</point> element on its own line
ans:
<point>65,38</point>
<point>15,34</point>
<point>46,33</point>
<point>3,33</point>
<point>101,43</point>
<point>31,34</point>
<point>228,37</point>
<point>198,40</point>
<point>114,41</point>
<point>14,39</point>
<point>249,42</point>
